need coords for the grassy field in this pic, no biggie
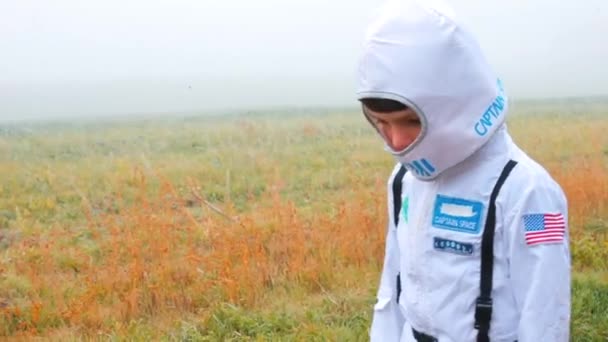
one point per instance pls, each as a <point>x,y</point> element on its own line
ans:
<point>261,226</point>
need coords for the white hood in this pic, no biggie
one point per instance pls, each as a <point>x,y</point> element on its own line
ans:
<point>416,53</point>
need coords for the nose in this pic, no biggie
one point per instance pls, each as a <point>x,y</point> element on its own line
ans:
<point>398,141</point>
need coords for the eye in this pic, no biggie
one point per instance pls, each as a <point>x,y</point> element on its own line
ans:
<point>379,121</point>
<point>409,122</point>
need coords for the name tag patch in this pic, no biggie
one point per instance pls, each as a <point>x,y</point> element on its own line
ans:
<point>452,246</point>
<point>457,214</point>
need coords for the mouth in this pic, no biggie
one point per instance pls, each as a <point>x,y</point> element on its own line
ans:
<point>395,153</point>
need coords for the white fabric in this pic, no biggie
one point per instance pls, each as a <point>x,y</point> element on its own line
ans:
<point>531,289</point>
<point>420,56</point>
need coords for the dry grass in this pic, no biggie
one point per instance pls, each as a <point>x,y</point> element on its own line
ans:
<point>152,245</point>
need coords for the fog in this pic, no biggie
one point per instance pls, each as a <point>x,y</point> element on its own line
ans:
<point>93,58</point>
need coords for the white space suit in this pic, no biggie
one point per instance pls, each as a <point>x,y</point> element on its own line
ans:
<point>417,53</point>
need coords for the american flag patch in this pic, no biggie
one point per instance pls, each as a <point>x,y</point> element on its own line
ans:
<point>544,228</point>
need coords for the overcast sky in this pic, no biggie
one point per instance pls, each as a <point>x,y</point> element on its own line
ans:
<point>92,58</point>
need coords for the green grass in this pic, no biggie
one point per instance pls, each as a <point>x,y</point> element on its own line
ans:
<point>56,179</point>
<point>344,315</point>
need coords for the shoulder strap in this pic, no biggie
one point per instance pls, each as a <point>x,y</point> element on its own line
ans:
<point>397,187</point>
<point>483,305</point>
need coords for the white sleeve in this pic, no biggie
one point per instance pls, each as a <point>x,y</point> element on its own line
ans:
<point>388,321</point>
<point>540,261</point>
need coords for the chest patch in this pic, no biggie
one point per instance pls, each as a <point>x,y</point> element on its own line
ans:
<point>457,214</point>
<point>405,209</point>
<point>452,246</point>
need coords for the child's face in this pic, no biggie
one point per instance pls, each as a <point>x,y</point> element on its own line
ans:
<point>399,128</point>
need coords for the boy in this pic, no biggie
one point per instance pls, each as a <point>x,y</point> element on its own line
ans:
<point>477,243</point>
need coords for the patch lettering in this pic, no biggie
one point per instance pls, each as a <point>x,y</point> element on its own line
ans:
<point>492,113</point>
<point>452,246</point>
<point>457,214</point>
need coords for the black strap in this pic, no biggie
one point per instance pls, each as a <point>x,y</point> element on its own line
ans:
<point>397,187</point>
<point>398,286</point>
<point>483,305</point>
<point>422,337</point>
